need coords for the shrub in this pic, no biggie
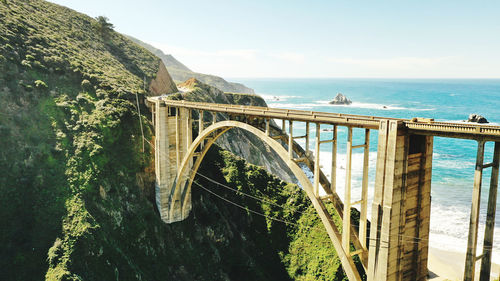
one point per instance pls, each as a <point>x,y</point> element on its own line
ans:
<point>103,26</point>
<point>86,85</point>
<point>40,84</point>
<point>26,63</point>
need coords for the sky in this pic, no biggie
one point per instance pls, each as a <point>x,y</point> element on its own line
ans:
<point>298,38</point>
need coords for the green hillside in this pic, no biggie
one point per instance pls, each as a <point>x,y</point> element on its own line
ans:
<point>76,193</point>
<point>67,119</point>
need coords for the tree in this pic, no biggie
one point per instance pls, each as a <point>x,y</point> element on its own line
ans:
<point>103,26</point>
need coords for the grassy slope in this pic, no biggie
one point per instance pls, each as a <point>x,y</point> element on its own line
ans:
<point>180,72</point>
<point>65,108</point>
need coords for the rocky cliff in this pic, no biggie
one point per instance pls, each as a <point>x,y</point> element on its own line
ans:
<point>162,84</point>
<point>181,73</point>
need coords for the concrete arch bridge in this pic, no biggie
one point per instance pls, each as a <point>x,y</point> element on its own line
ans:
<point>400,208</point>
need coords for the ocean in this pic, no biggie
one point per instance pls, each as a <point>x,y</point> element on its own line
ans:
<point>453,159</point>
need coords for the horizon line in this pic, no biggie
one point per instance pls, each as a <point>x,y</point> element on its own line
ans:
<point>350,77</point>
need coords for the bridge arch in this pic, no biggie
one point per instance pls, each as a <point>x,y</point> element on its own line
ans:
<point>400,219</point>
<point>188,170</point>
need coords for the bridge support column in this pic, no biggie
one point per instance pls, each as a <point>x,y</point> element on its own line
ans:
<point>183,196</point>
<point>173,130</point>
<point>401,207</point>
<point>164,178</point>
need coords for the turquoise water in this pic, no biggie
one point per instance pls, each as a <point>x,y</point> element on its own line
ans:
<point>443,100</point>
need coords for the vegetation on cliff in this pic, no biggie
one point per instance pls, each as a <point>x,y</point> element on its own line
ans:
<point>180,72</point>
<point>67,120</point>
<point>76,192</point>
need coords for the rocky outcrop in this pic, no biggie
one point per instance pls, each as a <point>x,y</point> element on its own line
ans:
<point>341,99</point>
<point>476,118</point>
<point>163,83</point>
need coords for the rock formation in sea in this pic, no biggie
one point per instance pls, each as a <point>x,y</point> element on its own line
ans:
<point>341,99</point>
<point>476,118</point>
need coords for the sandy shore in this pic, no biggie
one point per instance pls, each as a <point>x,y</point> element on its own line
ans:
<point>447,265</point>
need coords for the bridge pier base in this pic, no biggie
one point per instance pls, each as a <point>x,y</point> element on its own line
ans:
<point>401,208</point>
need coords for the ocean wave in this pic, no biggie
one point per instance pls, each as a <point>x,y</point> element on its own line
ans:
<point>469,123</point>
<point>281,103</point>
<point>453,164</point>
<point>449,229</point>
<point>269,97</point>
<point>356,175</point>
<point>374,106</point>
<point>292,105</point>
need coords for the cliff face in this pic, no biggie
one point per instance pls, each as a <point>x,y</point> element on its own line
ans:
<point>181,73</point>
<point>238,141</point>
<point>163,83</point>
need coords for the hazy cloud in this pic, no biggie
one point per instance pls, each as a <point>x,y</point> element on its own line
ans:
<point>290,57</point>
<point>246,54</point>
<point>266,63</point>
<point>392,63</point>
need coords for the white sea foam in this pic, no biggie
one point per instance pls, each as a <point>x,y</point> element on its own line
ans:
<point>278,102</point>
<point>270,97</point>
<point>354,104</point>
<point>292,105</point>
<point>374,106</point>
<point>453,164</point>
<point>449,230</point>
<point>325,103</point>
<point>356,176</point>
<point>469,123</point>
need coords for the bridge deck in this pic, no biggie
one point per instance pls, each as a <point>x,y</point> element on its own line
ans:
<point>419,127</point>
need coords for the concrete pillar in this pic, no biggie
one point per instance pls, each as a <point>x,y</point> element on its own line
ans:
<point>401,207</point>
<point>173,132</point>
<point>162,161</point>
<point>173,136</point>
<point>182,198</point>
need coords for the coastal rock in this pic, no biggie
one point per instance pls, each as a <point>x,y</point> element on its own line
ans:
<point>341,99</point>
<point>476,118</point>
